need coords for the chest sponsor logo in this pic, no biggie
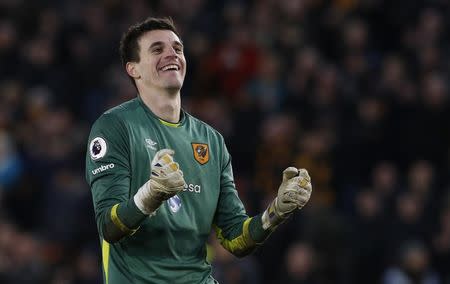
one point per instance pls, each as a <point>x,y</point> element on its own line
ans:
<point>201,152</point>
<point>102,168</point>
<point>97,148</point>
<point>174,203</point>
<point>195,188</point>
<point>149,143</point>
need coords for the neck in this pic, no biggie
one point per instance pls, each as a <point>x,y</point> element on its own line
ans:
<point>164,104</point>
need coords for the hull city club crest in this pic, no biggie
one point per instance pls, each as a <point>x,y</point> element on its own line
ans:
<point>201,152</point>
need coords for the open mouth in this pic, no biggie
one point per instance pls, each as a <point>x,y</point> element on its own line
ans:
<point>170,67</point>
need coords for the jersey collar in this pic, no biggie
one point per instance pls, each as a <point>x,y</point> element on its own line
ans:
<point>162,121</point>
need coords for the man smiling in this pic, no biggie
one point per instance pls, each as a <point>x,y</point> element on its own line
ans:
<point>165,177</point>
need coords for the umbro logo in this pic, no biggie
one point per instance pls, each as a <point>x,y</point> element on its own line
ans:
<point>149,143</point>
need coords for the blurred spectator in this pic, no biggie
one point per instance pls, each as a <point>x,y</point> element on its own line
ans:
<point>278,136</point>
<point>421,180</point>
<point>19,263</point>
<point>266,87</point>
<point>328,233</point>
<point>232,64</point>
<point>413,266</point>
<point>9,40</point>
<point>441,243</point>
<point>60,213</point>
<point>11,97</point>
<point>87,268</point>
<point>11,166</point>
<point>408,224</point>
<point>314,154</point>
<point>368,237</point>
<point>300,265</point>
<point>385,181</point>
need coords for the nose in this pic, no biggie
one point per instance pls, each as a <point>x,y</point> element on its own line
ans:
<point>171,52</point>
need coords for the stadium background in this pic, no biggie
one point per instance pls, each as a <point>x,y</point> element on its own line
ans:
<point>356,91</point>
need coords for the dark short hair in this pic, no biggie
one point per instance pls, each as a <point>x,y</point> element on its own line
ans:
<point>129,46</point>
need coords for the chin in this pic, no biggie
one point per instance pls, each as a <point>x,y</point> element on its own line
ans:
<point>174,85</point>
<point>174,88</point>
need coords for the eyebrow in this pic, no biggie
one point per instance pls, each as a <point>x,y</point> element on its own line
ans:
<point>159,43</point>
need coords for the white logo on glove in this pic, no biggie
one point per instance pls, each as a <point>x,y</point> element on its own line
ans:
<point>174,203</point>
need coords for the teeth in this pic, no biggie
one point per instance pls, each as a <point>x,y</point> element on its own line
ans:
<point>171,66</point>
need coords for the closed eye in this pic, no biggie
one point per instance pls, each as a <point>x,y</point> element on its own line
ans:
<point>178,49</point>
<point>157,50</point>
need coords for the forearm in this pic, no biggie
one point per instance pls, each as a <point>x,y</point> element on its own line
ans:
<point>121,220</point>
<point>257,231</point>
<point>250,237</point>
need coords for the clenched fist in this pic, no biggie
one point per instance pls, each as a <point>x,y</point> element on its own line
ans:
<point>166,180</point>
<point>293,193</point>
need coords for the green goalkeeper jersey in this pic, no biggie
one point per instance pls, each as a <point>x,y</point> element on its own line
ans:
<point>170,245</point>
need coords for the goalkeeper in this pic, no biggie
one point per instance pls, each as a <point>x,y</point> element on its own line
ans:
<point>161,179</point>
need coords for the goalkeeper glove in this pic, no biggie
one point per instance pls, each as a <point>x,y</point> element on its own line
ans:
<point>166,180</point>
<point>294,192</point>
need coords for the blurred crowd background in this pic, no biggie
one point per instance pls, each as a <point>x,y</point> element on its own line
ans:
<point>356,91</point>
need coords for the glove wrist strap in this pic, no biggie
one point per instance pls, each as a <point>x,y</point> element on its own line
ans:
<point>144,202</point>
<point>271,218</point>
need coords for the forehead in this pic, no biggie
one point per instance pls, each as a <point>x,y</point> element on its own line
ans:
<point>164,36</point>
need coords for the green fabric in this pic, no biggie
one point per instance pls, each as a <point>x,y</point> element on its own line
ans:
<point>257,233</point>
<point>130,215</point>
<point>169,247</point>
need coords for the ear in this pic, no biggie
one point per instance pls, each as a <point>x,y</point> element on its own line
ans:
<point>132,70</point>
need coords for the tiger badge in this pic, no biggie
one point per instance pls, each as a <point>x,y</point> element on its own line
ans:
<point>201,152</point>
